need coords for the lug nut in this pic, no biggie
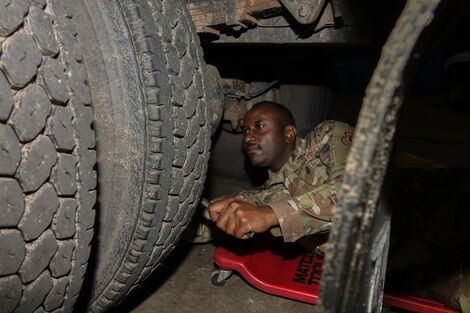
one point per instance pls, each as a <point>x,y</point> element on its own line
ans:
<point>303,10</point>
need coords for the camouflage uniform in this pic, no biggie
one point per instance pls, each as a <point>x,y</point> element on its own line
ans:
<point>303,192</point>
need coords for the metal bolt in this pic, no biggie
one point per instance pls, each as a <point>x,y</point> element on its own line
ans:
<point>303,10</point>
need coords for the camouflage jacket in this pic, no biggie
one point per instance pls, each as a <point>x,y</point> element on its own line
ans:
<point>303,192</point>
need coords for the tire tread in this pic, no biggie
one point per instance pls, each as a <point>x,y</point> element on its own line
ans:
<point>51,158</point>
<point>168,127</point>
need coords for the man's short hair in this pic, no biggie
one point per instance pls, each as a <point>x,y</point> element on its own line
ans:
<point>284,113</point>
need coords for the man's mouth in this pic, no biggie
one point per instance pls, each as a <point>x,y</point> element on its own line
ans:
<point>250,147</point>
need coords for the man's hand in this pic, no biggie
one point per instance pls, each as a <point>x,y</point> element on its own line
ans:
<point>237,218</point>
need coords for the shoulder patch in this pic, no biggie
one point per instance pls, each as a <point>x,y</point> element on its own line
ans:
<point>347,138</point>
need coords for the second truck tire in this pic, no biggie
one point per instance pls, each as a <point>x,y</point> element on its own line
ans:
<point>147,79</point>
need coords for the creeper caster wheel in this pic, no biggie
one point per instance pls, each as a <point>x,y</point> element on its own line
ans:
<point>220,277</point>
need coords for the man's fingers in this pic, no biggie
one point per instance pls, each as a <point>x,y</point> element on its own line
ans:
<point>222,218</point>
<point>247,236</point>
<point>238,225</point>
<point>225,215</point>
<point>214,211</point>
<point>217,207</point>
<point>241,219</point>
<point>230,226</point>
<point>242,232</point>
<point>230,223</point>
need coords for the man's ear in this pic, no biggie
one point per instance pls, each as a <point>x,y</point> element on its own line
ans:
<point>290,133</point>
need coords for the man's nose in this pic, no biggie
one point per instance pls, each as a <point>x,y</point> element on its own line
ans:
<point>248,137</point>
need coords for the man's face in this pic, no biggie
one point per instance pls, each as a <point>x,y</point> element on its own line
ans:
<point>264,139</point>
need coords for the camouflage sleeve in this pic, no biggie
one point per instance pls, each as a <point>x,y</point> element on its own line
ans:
<point>262,196</point>
<point>309,213</point>
<point>251,196</point>
<point>334,152</point>
<point>254,196</point>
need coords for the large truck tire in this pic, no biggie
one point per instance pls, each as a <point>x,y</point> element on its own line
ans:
<point>47,159</point>
<point>147,78</point>
<point>356,258</point>
<point>139,66</point>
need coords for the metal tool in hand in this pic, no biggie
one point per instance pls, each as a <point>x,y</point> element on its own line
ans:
<point>206,203</point>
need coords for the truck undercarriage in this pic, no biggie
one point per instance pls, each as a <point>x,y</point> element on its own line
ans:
<point>108,109</point>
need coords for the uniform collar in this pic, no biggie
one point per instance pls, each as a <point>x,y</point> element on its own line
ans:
<point>290,166</point>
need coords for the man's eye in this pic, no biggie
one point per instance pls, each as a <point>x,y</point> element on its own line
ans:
<point>260,126</point>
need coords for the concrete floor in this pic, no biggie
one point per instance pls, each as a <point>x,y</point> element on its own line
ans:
<point>191,266</point>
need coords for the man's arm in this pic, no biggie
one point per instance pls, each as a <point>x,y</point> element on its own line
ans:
<point>297,216</point>
<point>310,210</point>
<point>246,211</point>
<point>308,213</point>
